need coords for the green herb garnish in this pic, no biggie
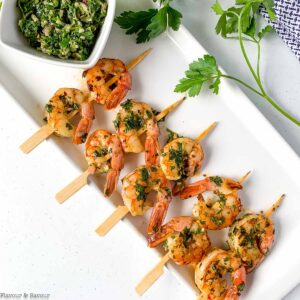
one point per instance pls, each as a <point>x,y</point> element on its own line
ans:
<point>62,28</point>
<point>237,22</point>
<point>49,108</point>
<point>150,23</point>
<point>101,152</point>
<point>127,105</point>
<point>144,174</point>
<point>141,192</point>
<point>216,179</point>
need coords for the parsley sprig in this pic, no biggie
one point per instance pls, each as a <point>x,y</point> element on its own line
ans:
<point>150,23</point>
<point>237,22</point>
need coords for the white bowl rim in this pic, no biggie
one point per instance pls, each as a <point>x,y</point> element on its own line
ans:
<point>95,54</point>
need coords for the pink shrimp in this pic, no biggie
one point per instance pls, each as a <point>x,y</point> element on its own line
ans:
<point>98,76</point>
<point>210,272</point>
<point>84,126</point>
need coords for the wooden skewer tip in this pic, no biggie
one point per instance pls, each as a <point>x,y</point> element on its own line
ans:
<point>274,207</point>
<point>206,132</point>
<point>244,177</point>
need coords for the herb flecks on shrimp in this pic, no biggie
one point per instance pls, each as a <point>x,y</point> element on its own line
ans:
<point>135,189</point>
<point>225,203</point>
<point>135,118</point>
<point>210,275</point>
<point>104,154</point>
<point>184,239</point>
<point>61,108</point>
<point>252,236</point>
<point>98,77</point>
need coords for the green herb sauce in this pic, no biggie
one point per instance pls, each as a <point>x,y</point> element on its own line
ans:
<point>62,28</point>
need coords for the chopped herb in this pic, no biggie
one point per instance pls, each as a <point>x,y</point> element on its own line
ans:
<point>171,135</point>
<point>117,122</point>
<point>216,179</point>
<point>69,126</point>
<point>141,193</point>
<point>186,235</point>
<point>241,286</point>
<point>144,174</point>
<point>149,114</point>
<point>49,108</point>
<point>62,28</point>
<point>127,105</point>
<point>177,155</point>
<point>133,122</point>
<point>101,152</point>
<point>217,221</point>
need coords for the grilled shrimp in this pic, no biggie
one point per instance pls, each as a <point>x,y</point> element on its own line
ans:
<point>185,240</point>
<point>226,203</point>
<point>84,126</point>
<point>135,188</point>
<point>133,119</point>
<point>64,105</point>
<point>98,76</point>
<point>251,236</point>
<point>210,273</point>
<point>104,154</point>
<point>181,158</point>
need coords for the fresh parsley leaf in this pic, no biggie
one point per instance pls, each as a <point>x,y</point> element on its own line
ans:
<point>151,23</point>
<point>137,23</point>
<point>174,18</point>
<point>217,8</point>
<point>269,5</point>
<point>158,23</point>
<point>200,71</point>
<point>264,31</point>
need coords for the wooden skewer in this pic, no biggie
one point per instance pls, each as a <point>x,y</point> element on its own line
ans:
<point>157,271</point>
<point>112,220</point>
<point>122,210</point>
<point>162,114</point>
<point>73,187</point>
<point>36,138</point>
<point>270,211</point>
<point>44,132</point>
<point>130,66</point>
<point>242,179</point>
<point>152,276</point>
<point>206,132</point>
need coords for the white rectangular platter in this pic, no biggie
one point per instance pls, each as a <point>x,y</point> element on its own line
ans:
<point>242,141</point>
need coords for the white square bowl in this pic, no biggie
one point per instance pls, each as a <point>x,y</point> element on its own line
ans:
<point>11,37</point>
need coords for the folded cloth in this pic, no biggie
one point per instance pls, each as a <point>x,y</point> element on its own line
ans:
<point>287,23</point>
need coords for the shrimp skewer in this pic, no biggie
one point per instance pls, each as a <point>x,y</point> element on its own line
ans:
<point>252,236</point>
<point>133,119</point>
<point>185,241</point>
<point>182,158</point>
<point>80,133</point>
<point>221,213</point>
<point>135,188</point>
<point>104,154</point>
<point>111,162</point>
<point>210,275</point>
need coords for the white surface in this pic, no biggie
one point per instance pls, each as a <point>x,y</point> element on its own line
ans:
<point>11,37</point>
<point>82,272</point>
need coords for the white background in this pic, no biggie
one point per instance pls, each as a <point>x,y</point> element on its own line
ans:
<point>22,177</point>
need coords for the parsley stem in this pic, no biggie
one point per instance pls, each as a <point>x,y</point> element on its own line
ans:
<point>243,83</point>
<point>258,61</point>
<point>281,110</point>
<point>244,51</point>
<point>265,96</point>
